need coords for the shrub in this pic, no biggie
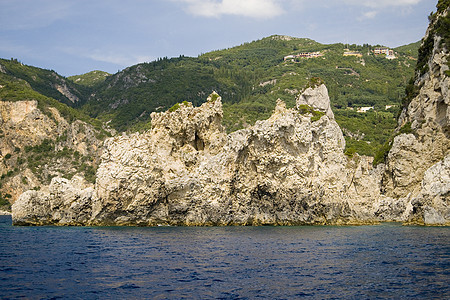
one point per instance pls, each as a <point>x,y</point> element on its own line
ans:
<point>175,107</point>
<point>350,152</point>
<point>8,156</point>
<point>382,153</point>
<point>315,82</point>
<point>4,202</point>
<point>317,115</point>
<point>406,128</point>
<point>214,97</point>
<point>304,109</point>
<point>411,91</point>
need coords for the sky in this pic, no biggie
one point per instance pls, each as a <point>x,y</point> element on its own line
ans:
<point>77,36</point>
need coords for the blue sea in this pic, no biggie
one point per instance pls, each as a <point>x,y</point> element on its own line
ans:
<point>310,262</point>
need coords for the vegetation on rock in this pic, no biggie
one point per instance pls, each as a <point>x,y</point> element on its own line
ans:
<point>249,78</point>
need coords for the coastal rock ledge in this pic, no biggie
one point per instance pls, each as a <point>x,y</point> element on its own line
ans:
<point>287,170</point>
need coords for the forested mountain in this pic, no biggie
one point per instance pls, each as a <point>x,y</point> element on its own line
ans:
<point>249,77</point>
<point>21,82</point>
<point>252,76</point>
<point>14,74</point>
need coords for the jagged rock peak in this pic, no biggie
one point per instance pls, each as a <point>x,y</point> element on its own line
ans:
<point>201,127</point>
<point>316,97</point>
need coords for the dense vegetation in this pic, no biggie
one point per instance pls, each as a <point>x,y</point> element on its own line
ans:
<point>252,76</point>
<point>410,49</point>
<point>45,82</point>
<point>15,86</point>
<point>249,78</point>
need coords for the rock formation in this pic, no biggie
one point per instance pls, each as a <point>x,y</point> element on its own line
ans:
<point>287,170</point>
<point>23,128</point>
<point>421,157</point>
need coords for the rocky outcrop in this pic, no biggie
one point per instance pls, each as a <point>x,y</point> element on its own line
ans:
<point>38,144</point>
<point>63,202</point>
<point>431,205</point>
<point>412,161</point>
<point>186,171</point>
<point>289,169</point>
<point>316,97</point>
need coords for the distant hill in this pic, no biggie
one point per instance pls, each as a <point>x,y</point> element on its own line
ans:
<point>21,82</point>
<point>90,79</point>
<point>410,49</point>
<point>45,82</point>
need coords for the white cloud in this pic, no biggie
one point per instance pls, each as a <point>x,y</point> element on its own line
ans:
<point>378,6</point>
<point>381,3</point>
<point>368,15</point>
<point>259,9</point>
<point>109,56</point>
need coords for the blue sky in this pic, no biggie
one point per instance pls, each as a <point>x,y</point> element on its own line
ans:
<point>77,36</point>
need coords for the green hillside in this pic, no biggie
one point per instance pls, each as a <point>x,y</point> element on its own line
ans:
<point>90,79</point>
<point>20,82</point>
<point>252,76</point>
<point>45,82</point>
<point>410,49</point>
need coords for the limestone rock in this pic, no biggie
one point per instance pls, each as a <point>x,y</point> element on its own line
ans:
<point>289,169</point>
<point>432,205</point>
<point>414,160</point>
<point>317,98</point>
<point>64,202</point>
<point>24,125</point>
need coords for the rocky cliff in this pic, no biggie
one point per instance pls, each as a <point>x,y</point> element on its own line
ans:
<point>417,164</point>
<point>37,144</point>
<point>287,170</point>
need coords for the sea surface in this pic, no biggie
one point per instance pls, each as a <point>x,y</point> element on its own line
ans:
<point>309,262</point>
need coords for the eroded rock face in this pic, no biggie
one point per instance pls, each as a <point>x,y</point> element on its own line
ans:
<point>289,169</point>
<point>431,205</point>
<point>64,202</point>
<point>188,172</point>
<point>316,98</point>
<point>23,125</point>
<point>412,162</point>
